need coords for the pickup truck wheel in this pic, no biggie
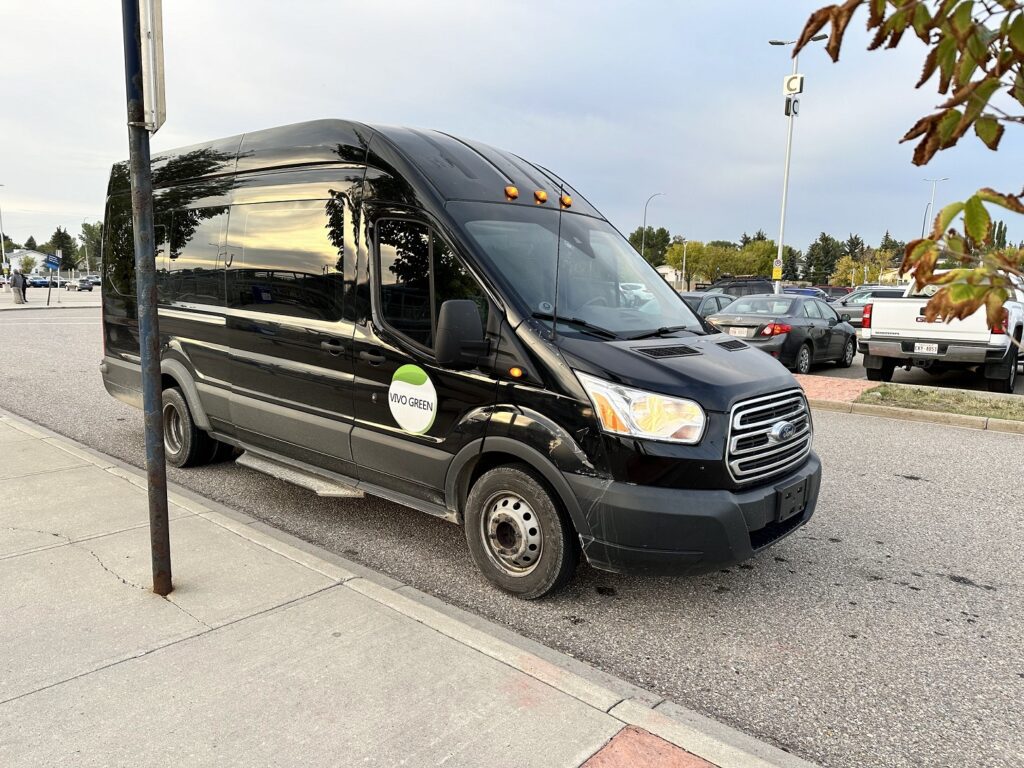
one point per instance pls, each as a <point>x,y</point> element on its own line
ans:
<point>884,373</point>
<point>517,534</point>
<point>1006,384</point>
<point>849,351</point>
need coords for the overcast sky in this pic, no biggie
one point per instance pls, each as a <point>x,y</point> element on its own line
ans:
<point>621,99</point>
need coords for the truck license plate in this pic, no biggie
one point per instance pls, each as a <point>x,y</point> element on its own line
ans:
<point>744,332</point>
<point>926,349</point>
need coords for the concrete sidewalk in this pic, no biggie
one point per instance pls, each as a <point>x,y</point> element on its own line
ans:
<point>273,652</point>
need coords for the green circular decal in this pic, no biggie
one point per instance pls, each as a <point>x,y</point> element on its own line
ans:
<point>412,399</point>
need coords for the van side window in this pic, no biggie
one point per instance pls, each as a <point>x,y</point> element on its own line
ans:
<point>418,273</point>
<point>119,245</point>
<point>288,259</point>
<point>403,248</point>
<point>453,281</point>
<point>195,263</point>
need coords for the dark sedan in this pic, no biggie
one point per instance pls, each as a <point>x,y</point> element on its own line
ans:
<point>798,330</point>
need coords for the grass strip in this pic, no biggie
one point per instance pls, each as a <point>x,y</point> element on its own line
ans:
<point>945,401</point>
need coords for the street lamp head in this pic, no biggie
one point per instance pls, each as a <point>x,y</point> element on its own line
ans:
<point>776,42</point>
<point>819,37</point>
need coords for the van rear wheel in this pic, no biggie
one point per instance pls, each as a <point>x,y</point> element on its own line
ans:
<point>185,445</point>
<point>517,534</point>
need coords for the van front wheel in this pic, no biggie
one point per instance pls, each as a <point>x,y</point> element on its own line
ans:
<point>517,535</point>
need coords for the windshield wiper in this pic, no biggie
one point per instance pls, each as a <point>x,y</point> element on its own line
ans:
<point>593,330</point>
<point>663,332</point>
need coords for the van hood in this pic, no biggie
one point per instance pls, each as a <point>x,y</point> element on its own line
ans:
<point>716,370</point>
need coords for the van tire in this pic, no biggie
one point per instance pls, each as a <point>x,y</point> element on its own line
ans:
<point>185,445</point>
<point>502,504</point>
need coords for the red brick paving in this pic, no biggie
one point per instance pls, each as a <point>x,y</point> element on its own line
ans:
<point>636,748</point>
<point>829,388</point>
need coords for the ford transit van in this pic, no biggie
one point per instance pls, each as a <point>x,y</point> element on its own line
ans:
<point>362,309</point>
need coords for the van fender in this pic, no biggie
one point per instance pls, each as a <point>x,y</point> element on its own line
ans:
<point>524,434</point>
<point>185,381</point>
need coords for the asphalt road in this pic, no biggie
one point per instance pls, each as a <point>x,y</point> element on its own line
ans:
<point>886,632</point>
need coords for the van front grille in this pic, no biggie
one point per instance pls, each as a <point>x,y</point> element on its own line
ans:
<point>753,453</point>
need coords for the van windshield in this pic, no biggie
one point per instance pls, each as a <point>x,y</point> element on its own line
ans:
<point>602,280</point>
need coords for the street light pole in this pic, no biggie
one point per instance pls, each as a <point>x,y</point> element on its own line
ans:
<point>4,266</point>
<point>931,202</point>
<point>685,278</point>
<point>789,152</point>
<point>643,231</point>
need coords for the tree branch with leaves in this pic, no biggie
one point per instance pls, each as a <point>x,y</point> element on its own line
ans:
<point>976,50</point>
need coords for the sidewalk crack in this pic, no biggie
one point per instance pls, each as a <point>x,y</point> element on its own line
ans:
<point>115,574</point>
<point>187,613</point>
<point>35,530</point>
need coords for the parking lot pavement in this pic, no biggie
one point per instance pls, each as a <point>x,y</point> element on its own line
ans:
<point>59,298</point>
<point>953,379</point>
<point>884,633</point>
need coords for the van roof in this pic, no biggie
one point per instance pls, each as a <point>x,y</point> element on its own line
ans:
<point>454,168</point>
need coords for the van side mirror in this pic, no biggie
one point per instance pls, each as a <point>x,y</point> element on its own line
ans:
<point>460,334</point>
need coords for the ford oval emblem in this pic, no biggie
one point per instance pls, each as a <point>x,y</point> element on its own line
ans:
<point>782,431</point>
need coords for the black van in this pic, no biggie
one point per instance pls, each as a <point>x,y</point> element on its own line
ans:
<point>444,324</point>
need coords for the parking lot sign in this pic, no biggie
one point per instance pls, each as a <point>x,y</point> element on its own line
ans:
<point>777,269</point>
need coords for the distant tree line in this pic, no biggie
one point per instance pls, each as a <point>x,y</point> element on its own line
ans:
<point>73,249</point>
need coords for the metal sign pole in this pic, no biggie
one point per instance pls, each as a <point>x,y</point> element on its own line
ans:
<point>49,287</point>
<point>145,280</point>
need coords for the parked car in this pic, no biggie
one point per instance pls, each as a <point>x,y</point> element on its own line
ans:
<point>37,281</point>
<point>707,303</point>
<point>799,331</point>
<point>455,374</point>
<point>835,291</point>
<point>797,290</point>
<point>94,279</point>
<point>81,284</point>
<point>896,334</point>
<point>853,304</point>
<point>634,294</point>
<point>742,286</point>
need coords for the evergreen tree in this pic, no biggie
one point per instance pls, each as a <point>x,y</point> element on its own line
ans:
<point>822,256</point>
<point>790,263</point>
<point>30,244</point>
<point>854,247</point>
<point>655,243</point>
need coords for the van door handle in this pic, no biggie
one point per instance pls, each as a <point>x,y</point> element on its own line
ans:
<point>372,357</point>
<point>333,346</point>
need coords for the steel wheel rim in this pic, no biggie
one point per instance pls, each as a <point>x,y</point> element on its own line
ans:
<point>803,362</point>
<point>850,352</point>
<point>173,429</point>
<point>511,534</point>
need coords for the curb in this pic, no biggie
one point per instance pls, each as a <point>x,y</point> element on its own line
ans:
<point>931,417</point>
<point>709,739</point>
<point>23,308</point>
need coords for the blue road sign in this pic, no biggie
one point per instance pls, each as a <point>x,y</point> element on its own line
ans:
<point>52,262</point>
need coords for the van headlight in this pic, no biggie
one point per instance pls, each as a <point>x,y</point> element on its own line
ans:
<point>626,411</point>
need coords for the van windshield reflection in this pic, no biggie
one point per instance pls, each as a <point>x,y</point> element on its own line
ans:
<point>602,281</point>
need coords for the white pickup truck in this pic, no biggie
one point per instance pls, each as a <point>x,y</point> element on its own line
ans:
<point>895,334</point>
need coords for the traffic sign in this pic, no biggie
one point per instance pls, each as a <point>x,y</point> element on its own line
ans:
<point>51,262</point>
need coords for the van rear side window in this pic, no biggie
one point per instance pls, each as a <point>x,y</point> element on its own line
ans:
<point>288,258</point>
<point>195,264</point>
<point>119,245</point>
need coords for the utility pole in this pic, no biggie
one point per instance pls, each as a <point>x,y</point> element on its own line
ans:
<point>140,123</point>
<point>5,268</point>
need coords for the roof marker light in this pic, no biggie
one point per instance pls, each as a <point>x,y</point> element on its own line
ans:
<point>540,197</point>
<point>565,201</point>
<point>511,192</point>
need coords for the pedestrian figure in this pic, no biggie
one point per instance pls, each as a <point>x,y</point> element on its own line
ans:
<point>18,285</point>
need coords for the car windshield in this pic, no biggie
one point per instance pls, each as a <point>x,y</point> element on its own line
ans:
<point>763,305</point>
<point>600,278</point>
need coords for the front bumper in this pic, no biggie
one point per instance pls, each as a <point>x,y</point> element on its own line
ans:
<point>671,530</point>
